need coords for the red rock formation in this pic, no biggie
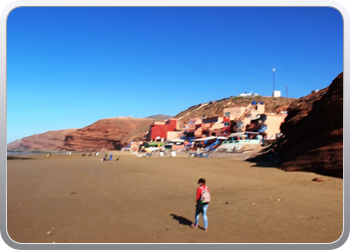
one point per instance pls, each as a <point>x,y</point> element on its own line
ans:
<point>14,145</point>
<point>313,131</point>
<point>45,141</point>
<point>106,134</point>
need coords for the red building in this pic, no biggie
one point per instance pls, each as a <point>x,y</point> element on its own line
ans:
<point>158,130</point>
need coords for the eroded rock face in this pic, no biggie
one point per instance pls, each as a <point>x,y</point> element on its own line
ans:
<point>106,134</point>
<point>46,141</point>
<point>314,132</point>
<point>14,145</point>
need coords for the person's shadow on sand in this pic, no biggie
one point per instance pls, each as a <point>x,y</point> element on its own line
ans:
<point>182,220</point>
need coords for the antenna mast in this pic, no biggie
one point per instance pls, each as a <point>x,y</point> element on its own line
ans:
<point>273,75</point>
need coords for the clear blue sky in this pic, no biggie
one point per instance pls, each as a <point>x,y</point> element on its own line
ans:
<point>68,67</point>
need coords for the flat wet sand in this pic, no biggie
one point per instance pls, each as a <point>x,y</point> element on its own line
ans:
<point>76,199</point>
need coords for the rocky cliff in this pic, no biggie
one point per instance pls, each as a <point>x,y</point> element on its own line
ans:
<point>46,141</point>
<point>313,133</point>
<point>106,134</point>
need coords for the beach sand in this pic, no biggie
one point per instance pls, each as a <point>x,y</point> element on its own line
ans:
<point>76,199</point>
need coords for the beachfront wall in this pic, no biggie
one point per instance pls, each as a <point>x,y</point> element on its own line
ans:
<point>158,130</point>
<point>273,123</point>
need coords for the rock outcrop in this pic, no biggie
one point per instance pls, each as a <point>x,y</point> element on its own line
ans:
<point>14,145</point>
<point>313,131</point>
<point>313,134</point>
<point>46,141</point>
<point>106,134</point>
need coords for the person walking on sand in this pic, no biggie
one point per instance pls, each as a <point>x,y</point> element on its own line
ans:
<point>110,156</point>
<point>202,203</point>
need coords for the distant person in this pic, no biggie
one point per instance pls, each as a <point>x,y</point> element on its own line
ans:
<point>110,156</point>
<point>202,204</point>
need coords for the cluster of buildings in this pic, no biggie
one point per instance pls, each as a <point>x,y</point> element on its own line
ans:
<point>252,119</point>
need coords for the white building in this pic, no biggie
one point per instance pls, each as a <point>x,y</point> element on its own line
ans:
<point>276,93</point>
<point>249,94</point>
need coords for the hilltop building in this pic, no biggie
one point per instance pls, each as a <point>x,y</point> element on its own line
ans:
<point>276,93</point>
<point>248,94</point>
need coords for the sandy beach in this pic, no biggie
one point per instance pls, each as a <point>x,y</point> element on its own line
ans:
<point>76,199</point>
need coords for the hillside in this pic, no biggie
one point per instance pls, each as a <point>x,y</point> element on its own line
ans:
<point>13,145</point>
<point>159,117</point>
<point>49,140</point>
<point>106,134</point>
<point>215,108</point>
